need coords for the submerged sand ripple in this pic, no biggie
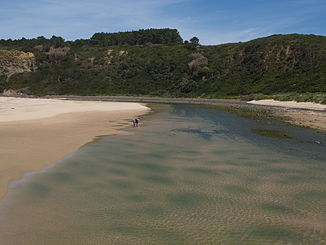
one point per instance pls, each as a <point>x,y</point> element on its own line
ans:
<point>162,188</point>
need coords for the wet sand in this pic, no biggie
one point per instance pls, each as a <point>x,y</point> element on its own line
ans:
<point>310,119</point>
<point>37,132</point>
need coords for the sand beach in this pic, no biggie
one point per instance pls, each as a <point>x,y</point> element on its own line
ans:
<point>290,104</point>
<point>38,132</point>
<point>305,114</point>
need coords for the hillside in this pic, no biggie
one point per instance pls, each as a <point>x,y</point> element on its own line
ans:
<point>158,65</point>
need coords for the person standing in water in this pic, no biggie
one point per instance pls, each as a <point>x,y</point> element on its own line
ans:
<point>136,122</point>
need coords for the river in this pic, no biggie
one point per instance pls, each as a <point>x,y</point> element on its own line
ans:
<point>189,175</point>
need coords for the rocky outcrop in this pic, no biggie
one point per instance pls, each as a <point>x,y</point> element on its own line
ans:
<point>11,93</point>
<point>12,62</point>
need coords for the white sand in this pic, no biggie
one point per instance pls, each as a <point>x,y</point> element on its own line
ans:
<point>290,104</point>
<point>16,109</point>
<point>37,132</point>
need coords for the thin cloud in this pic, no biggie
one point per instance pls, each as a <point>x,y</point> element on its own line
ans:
<point>213,21</point>
<point>62,16</point>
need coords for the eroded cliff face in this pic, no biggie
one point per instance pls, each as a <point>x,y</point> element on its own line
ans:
<point>12,62</point>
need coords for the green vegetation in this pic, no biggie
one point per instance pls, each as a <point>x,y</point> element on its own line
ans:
<point>155,62</point>
<point>33,45</point>
<point>150,36</point>
<point>271,133</point>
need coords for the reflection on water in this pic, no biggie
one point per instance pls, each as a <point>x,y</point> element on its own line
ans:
<point>190,176</point>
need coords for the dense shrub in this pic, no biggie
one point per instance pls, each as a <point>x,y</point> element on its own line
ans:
<point>156,62</point>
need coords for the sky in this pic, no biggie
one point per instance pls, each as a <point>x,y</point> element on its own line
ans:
<point>212,21</point>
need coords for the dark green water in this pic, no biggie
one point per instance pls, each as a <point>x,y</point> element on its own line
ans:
<point>190,175</point>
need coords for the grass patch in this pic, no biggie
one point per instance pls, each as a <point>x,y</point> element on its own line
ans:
<point>271,133</point>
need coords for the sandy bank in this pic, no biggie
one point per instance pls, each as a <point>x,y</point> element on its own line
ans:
<point>313,117</point>
<point>37,132</point>
<point>310,119</point>
<point>290,104</point>
<point>14,109</point>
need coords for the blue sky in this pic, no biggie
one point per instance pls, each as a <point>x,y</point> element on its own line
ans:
<point>214,22</point>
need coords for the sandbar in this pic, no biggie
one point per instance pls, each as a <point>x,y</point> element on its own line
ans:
<point>305,114</point>
<point>37,132</point>
<point>290,104</point>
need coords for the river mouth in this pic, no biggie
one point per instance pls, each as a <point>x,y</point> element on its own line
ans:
<point>189,175</point>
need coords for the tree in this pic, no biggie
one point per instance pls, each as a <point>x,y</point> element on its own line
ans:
<point>57,42</point>
<point>194,41</point>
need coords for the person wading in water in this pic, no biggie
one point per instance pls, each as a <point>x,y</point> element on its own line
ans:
<point>135,123</point>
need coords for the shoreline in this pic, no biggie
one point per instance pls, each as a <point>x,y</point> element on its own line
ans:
<point>307,118</point>
<point>290,104</point>
<point>302,114</point>
<point>17,129</point>
<point>34,141</point>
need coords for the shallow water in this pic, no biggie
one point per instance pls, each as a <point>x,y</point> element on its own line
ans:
<point>190,175</point>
